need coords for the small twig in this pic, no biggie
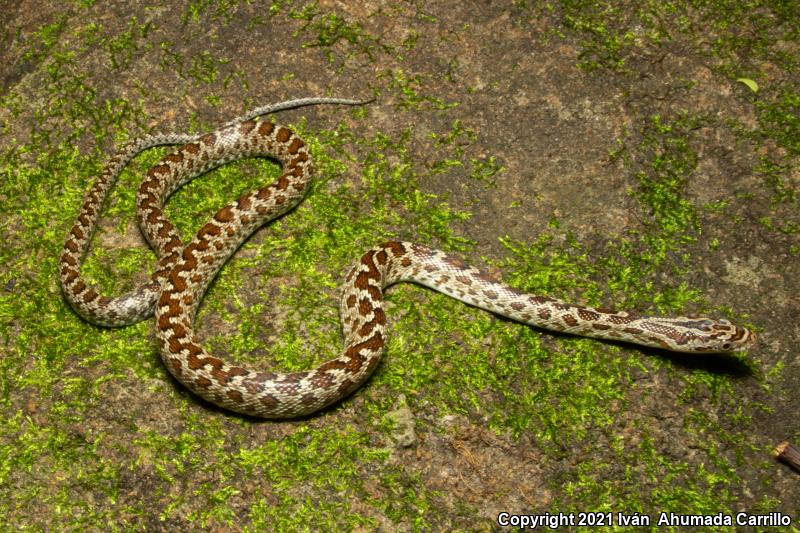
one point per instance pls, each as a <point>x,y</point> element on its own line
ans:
<point>789,454</point>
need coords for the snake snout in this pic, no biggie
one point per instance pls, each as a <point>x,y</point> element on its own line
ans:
<point>746,338</point>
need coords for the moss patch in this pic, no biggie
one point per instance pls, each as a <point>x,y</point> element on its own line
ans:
<point>95,435</point>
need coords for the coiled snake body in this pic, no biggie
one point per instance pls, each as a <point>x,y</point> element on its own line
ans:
<point>184,272</point>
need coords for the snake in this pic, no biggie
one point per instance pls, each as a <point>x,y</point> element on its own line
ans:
<point>184,271</point>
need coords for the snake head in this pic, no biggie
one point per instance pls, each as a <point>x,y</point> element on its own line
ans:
<point>721,336</point>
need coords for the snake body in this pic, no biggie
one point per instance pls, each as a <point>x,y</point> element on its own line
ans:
<point>184,273</point>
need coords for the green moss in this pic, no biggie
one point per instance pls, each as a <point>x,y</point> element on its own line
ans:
<point>741,39</point>
<point>44,39</point>
<point>559,392</point>
<point>323,461</point>
<point>208,11</point>
<point>454,358</point>
<point>326,30</point>
<point>301,245</point>
<point>610,35</point>
<point>122,47</point>
<point>408,90</point>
